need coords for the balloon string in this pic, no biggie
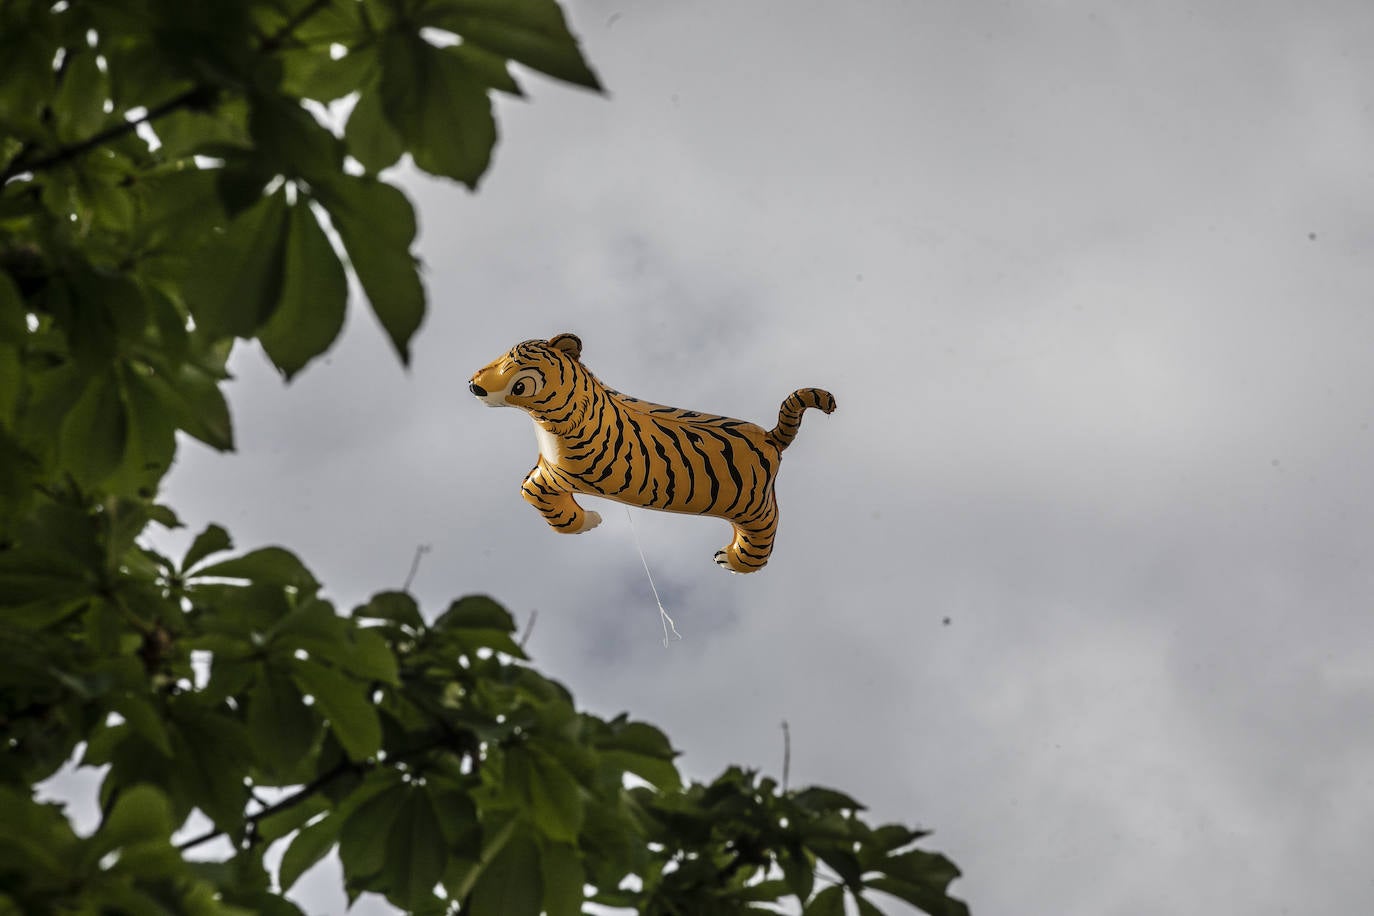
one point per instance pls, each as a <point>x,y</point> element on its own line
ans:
<point>667,621</point>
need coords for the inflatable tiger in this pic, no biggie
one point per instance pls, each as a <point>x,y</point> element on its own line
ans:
<point>600,442</point>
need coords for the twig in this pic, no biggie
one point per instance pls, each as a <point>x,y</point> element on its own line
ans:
<point>786,754</point>
<point>529,628</point>
<point>420,551</point>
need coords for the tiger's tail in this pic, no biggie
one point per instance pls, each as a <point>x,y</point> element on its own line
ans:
<point>790,413</point>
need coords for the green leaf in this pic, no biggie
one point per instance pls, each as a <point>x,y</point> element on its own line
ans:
<point>798,870</point>
<point>14,327</point>
<point>641,749</point>
<point>313,74</point>
<point>151,444</point>
<point>210,760</point>
<point>865,907</point>
<point>377,225</point>
<point>829,902</point>
<point>312,624</point>
<point>11,389</point>
<point>280,725</point>
<point>553,796</point>
<point>52,394</point>
<point>366,833</point>
<point>415,851</point>
<point>26,71</point>
<point>235,283</point>
<point>928,899</point>
<point>314,295</point>
<point>457,817</point>
<point>265,566</point>
<point>843,862</point>
<point>180,208</point>
<point>397,607</point>
<point>52,579</point>
<point>193,397</point>
<point>370,137</point>
<point>886,838</point>
<point>922,879</point>
<point>140,813</point>
<point>369,656</point>
<point>438,106</point>
<point>478,622</point>
<point>921,867</point>
<point>820,800</point>
<point>511,884</point>
<point>476,612</point>
<point>214,539</point>
<point>490,68</point>
<point>79,106</point>
<point>144,719</point>
<point>96,432</point>
<point>288,820</point>
<point>530,31</point>
<point>308,847</point>
<point>771,890</point>
<point>564,878</point>
<point>345,704</point>
<point>164,516</point>
<point>291,140</point>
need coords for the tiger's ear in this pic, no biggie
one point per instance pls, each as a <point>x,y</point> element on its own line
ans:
<point>570,344</point>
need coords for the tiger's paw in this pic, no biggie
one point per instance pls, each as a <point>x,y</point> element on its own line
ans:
<point>730,558</point>
<point>589,521</point>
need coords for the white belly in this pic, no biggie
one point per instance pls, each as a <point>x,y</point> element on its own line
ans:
<point>548,444</point>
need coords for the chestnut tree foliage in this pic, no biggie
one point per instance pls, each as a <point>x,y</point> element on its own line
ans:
<point>181,174</point>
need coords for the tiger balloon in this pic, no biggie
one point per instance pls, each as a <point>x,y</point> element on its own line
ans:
<point>600,442</point>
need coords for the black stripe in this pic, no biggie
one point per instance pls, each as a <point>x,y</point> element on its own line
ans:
<point>614,450</point>
<point>676,432</point>
<point>667,466</point>
<point>643,453</point>
<point>728,454</point>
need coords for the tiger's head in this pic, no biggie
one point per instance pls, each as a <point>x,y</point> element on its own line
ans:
<point>534,375</point>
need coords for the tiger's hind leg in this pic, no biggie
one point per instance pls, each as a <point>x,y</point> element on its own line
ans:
<point>556,503</point>
<point>753,542</point>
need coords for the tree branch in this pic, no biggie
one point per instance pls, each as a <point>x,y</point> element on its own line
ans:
<point>280,37</point>
<point>20,164</point>
<point>307,790</point>
<point>315,785</point>
<point>109,134</point>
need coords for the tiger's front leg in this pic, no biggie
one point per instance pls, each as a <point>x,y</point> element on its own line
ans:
<point>556,503</point>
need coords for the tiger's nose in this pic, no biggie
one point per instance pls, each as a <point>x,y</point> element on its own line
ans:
<point>477,389</point>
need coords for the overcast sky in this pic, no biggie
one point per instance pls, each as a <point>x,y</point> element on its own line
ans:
<point>1092,285</point>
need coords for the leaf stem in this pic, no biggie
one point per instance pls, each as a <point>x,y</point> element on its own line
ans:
<point>498,842</point>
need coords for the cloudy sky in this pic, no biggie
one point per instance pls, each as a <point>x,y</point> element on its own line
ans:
<point>1091,283</point>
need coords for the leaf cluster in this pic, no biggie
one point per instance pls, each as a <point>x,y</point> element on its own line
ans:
<point>449,774</point>
<point>177,176</point>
